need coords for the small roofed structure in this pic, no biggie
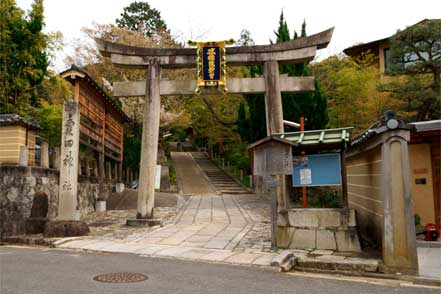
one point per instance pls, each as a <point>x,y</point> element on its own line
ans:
<point>102,121</point>
<point>330,142</point>
<point>315,140</point>
<point>15,133</point>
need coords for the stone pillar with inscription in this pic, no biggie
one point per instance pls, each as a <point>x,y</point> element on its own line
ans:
<point>67,223</point>
<point>70,146</point>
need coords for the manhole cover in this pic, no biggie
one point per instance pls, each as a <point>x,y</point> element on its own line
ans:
<point>121,278</point>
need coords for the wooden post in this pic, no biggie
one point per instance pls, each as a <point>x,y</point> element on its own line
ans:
<point>87,168</point>
<point>101,168</point>
<point>79,166</point>
<point>95,168</point>
<point>149,148</point>
<point>344,179</point>
<point>274,118</point>
<point>108,171</point>
<point>120,173</point>
<point>304,194</point>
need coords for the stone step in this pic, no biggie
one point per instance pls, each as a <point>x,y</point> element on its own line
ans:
<point>338,263</point>
<point>222,181</point>
<point>235,192</point>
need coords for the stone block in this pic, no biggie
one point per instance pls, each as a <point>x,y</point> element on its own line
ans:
<point>100,206</point>
<point>326,240</point>
<point>44,181</point>
<point>142,222</point>
<point>282,220</point>
<point>35,225</point>
<point>352,222</point>
<point>281,258</point>
<point>8,180</point>
<point>12,194</point>
<point>329,218</point>
<point>65,229</point>
<point>119,187</point>
<point>303,239</point>
<point>303,218</point>
<point>347,240</point>
<point>284,236</point>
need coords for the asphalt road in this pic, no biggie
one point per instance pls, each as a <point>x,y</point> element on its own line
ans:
<point>33,270</point>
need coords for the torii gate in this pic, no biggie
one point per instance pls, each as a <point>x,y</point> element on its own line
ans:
<point>153,59</point>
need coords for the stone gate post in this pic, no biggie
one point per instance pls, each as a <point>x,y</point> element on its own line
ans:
<point>70,143</point>
<point>149,148</point>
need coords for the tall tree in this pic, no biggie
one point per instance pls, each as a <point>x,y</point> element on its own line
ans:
<point>23,56</point>
<point>352,88</point>
<point>313,106</point>
<point>416,53</point>
<point>141,17</point>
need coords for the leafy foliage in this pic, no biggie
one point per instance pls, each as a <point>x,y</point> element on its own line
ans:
<point>416,52</point>
<point>23,56</point>
<point>352,88</point>
<point>50,117</point>
<point>140,17</point>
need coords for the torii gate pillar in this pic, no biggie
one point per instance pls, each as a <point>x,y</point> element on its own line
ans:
<point>274,119</point>
<point>149,145</point>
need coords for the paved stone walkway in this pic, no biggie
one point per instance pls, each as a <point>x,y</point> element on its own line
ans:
<point>208,228</point>
<point>190,178</point>
<point>211,227</point>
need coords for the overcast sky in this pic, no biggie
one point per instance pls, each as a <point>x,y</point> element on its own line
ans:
<point>354,21</point>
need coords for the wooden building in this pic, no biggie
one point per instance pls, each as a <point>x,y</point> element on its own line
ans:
<point>102,125</point>
<point>15,131</point>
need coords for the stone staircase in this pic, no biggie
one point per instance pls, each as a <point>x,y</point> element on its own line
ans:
<point>222,182</point>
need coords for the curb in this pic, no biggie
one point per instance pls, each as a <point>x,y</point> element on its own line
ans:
<point>414,279</point>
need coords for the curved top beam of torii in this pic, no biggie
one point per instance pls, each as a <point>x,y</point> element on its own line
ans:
<point>294,51</point>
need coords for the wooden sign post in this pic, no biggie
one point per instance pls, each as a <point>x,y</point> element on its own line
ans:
<point>272,158</point>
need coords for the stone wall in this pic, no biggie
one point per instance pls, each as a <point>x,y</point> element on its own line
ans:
<point>19,184</point>
<point>319,228</point>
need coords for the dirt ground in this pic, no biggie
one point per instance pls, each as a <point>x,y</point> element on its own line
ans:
<point>122,206</point>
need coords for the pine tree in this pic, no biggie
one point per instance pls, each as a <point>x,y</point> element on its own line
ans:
<point>140,17</point>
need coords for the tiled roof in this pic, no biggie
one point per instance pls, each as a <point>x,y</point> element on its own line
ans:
<point>389,121</point>
<point>319,137</point>
<point>427,126</point>
<point>15,119</point>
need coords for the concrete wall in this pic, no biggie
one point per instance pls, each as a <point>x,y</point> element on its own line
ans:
<point>19,184</point>
<point>421,168</point>
<point>364,173</point>
<point>384,183</point>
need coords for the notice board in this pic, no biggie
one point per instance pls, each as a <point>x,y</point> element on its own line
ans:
<point>316,170</point>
